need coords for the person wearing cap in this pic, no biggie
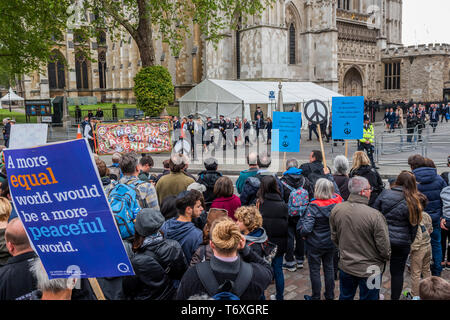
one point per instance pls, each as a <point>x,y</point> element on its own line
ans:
<point>208,178</point>
<point>222,128</point>
<point>366,143</point>
<point>152,256</point>
<point>190,127</point>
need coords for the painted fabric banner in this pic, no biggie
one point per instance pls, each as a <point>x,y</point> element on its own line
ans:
<point>59,198</point>
<point>140,137</point>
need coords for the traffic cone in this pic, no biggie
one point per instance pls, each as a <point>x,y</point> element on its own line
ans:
<point>79,136</point>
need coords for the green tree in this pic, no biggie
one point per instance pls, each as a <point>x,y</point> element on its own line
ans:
<point>171,20</point>
<point>153,89</point>
<point>29,29</point>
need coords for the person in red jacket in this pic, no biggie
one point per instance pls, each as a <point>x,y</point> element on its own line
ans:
<point>225,198</point>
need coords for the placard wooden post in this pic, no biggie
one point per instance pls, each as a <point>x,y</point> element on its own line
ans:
<point>97,290</point>
<point>321,147</point>
<point>346,148</point>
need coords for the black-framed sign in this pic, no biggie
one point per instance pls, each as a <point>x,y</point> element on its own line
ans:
<point>315,111</point>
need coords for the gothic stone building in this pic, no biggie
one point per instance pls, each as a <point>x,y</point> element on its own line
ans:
<point>350,46</point>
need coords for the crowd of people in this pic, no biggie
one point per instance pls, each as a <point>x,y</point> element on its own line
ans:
<point>201,237</point>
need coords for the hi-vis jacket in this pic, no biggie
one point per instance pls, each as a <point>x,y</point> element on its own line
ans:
<point>368,134</point>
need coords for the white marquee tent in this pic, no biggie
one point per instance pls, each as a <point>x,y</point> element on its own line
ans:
<point>10,96</point>
<point>233,98</point>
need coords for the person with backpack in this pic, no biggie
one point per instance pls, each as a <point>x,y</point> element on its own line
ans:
<point>181,228</point>
<point>314,225</point>
<point>204,251</point>
<point>157,262</point>
<point>251,185</point>
<point>275,215</point>
<point>252,161</point>
<point>234,271</point>
<point>208,178</point>
<point>362,167</point>
<point>297,193</point>
<point>130,195</point>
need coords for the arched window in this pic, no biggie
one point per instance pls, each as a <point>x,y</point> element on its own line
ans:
<point>81,70</point>
<point>56,71</point>
<point>292,44</point>
<point>102,69</point>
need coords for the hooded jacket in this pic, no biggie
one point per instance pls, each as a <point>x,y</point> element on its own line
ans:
<point>342,183</point>
<point>431,185</point>
<point>248,194</point>
<point>294,178</point>
<point>392,204</point>
<point>255,239</point>
<point>315,224</point>
<point>445,196</point>
<point>208,178</point>
<point>187,235</point>
<point>374,179</point>
<point>156,263</point>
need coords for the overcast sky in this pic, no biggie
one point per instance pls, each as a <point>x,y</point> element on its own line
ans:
<point>426,21</point>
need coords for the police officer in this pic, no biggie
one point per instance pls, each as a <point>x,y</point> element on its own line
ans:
<point>209,138</point>
<point>366,143</point>
<point>222,129</point>
<point>191,130</point>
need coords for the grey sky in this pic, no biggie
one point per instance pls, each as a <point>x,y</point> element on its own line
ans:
<point>426,22</point>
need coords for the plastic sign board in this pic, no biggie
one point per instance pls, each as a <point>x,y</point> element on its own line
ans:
<point>347,118</point>
<point>286,131</point>
<point>28,135</point>
<point>57,193</point>
<point>140,137</point>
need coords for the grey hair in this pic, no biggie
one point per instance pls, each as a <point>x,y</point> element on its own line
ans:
<point>357,184</point>
<point>44,283</point>
<point>116,157</point>
<point>291,163</point>
<point>200,297</point>
<point>341,164</point>
<point>252,158</point>
<point>179,159</point>
<point>324,189</point>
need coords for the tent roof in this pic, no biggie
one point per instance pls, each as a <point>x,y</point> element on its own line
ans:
<point>11,96</point>
<point>211,90</point>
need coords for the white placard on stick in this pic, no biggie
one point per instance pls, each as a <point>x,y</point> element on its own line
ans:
<point>28,135</point>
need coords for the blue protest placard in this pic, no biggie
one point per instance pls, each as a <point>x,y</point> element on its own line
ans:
<point>59,198</point>
<point>286,131</point>
<point>347,118</point>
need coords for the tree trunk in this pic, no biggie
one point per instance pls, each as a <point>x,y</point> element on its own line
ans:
<point>144,38</point>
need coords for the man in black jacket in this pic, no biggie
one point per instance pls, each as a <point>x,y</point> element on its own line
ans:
<point>226,265</point>
<point>259,125</point>
<point>158,262</point>
<point>16,280</point>
<point>247,127</point>
<point>208,178</point>
<point>209,137</point>
<point>258,112</point>
<point>411,123</point>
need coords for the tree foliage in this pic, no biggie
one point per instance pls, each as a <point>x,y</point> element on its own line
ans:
<point>29,29</point>
<point>171,20</point>
<point>153,89</point>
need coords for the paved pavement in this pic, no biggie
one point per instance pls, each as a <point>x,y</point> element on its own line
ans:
<point>297,284</point>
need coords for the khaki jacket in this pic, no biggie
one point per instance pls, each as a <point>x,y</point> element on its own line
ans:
<point>172,184</point>
<point>361,235</point>
<point>423,238</point>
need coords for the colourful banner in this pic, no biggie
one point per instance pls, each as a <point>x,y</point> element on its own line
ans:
<point>140,137</point>
<point>57,193</point>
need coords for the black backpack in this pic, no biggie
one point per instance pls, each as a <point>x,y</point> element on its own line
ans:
<point>229,290</point>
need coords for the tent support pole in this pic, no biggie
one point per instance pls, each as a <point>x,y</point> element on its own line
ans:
<point>242,119</point>
<point>217,111</point>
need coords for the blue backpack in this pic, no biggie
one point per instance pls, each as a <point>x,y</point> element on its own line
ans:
<point>124,202</point>
<point>229,290</point>
<point>298,200</point>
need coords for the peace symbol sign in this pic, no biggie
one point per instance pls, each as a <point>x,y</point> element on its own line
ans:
<point>315,111</point>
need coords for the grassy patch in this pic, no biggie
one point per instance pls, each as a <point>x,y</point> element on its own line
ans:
<point>20,117</point>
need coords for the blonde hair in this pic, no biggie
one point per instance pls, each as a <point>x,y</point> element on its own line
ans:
<point>250,217</point>
<point>5,209</point>
<point>225,235</point>
<point>360,159</point>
